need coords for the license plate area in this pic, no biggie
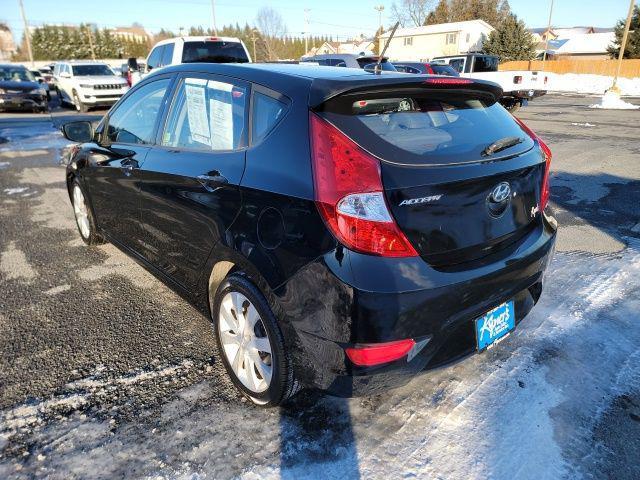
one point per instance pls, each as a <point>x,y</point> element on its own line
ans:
<point>495,325</point>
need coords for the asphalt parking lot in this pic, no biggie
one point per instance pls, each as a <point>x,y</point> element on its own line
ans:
<point>106,373</point>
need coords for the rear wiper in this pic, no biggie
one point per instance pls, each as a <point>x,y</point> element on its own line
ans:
<point>502,144</point>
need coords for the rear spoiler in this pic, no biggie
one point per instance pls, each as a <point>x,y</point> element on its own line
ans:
<point>323,89</point>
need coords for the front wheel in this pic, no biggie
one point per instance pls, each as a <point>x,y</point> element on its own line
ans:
<point>81,107</point>
<point>251,344</point>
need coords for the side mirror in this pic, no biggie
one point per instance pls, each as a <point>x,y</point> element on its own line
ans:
<point>79,132</point>
<point>65,75</point>
<point>133,64</point>
<point>40,80</point>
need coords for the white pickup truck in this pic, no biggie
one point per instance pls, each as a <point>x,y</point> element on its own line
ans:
<point>518,86</point>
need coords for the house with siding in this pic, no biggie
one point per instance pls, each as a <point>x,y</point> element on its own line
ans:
<point>424,43</point>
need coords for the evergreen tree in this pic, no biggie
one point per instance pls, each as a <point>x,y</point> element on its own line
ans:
<point>440,14</point>
<point>632,49</point>
<point>510,41</point>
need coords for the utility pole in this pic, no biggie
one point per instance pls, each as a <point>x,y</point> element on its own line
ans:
<point>623,45</point>
<point>93,53</point>
<point>307,11</point>
<point>27,33</point>
<point>213,17</point>
<point>546,42</point>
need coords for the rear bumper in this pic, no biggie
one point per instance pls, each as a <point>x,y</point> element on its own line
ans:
<point>364,299</point>
<point>525,94</point>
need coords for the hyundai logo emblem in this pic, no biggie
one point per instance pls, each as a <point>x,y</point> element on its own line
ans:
<point>500,193</point>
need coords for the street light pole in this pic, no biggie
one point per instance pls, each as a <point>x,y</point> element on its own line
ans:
<point>213,17</point>
<point>306,33</point>
<point>546,41</point>
<point>623,45</point>
<point>27,33</point>
<point>380,9</point>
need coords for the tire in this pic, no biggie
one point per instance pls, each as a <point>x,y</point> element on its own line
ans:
<point>513,108</point>
<point>246,365</point>
<point>60,97</point>
<point>81,107</point>
<point>85,220</point>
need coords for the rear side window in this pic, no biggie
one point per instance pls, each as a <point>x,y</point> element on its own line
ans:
<point>214,52</point>
<point>167,55</point>
<point>266,113</point>
<point>207,115</point>
<point>485,64</point>
<point>457,64</point>
<point>155,57</point>
<point>444,70</point>
<point>428,127</point>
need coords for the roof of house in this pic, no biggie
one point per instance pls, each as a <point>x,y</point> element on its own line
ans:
<point>566,32</point>
<point>582,44</point>
<point>438,28</point>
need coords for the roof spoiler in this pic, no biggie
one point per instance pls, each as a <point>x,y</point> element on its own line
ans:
<point>323,90</point>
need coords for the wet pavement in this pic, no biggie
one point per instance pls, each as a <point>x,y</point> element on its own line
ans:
<point>106,373</point>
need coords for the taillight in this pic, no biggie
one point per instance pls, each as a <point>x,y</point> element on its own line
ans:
<point>349,194</point>
<point>129,78</point>
<point>545,80</point>
<point>449,81</point>
<point>517,79</point>
<point>546,151</point>
<point>368,355</point>
<point>428,69</point>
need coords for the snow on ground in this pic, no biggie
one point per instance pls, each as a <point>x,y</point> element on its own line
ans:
<point>595,84</point>
<point>612,101</point>
<point>526,409</point>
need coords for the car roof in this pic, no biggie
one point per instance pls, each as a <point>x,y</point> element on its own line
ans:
<point>314,83</point>
<point>12,65</point>
<point>198,39</point>
<point>83,62</point>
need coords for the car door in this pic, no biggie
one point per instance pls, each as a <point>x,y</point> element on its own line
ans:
<point>190,180</point>
<point>126,136</point>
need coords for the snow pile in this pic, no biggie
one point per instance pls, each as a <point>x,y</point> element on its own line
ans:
<point>612,101</point>
<point>587,83</point>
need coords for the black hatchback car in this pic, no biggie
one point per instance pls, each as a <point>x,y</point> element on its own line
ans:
<point>343,230</point>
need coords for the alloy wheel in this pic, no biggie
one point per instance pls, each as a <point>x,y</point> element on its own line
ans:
<point>245,342</point>
<point>81,212</point>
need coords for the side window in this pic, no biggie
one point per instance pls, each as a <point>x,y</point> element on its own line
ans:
<point>457,64</point>
<point>266,113</point>
<point>323,62</point>
<point>207,115</point>
<point>134,119</point>
<point>155,57</point>
<point>167,55</point>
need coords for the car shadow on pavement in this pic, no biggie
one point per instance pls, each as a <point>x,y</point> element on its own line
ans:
<point>317,438</point>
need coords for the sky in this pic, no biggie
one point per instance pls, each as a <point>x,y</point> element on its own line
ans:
<point>340,18</point>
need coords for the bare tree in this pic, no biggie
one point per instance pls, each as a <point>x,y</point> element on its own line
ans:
<point>412,13</point>
<point>272,28</point>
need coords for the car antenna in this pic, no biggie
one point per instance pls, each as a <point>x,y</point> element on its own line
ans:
<point>378,68</point>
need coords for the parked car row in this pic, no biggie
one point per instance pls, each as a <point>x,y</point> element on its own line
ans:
<point>21,90</point>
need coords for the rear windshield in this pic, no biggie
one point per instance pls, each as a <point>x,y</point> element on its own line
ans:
<point>85,70</point>
<point>444,70</point>
<point>426,126</point>
<point>214,52</point>
<point>485,64</point>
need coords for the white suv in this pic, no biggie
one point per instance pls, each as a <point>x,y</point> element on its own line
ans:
<point>197,49</point>
<point>88,84</point>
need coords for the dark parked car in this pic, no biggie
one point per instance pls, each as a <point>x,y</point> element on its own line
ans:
<point>19,90</point>
<point>426,67</point>
<point>336,240</point>
<point>349,60</point>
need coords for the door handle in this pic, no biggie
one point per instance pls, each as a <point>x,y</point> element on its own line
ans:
<point>212,182</point>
